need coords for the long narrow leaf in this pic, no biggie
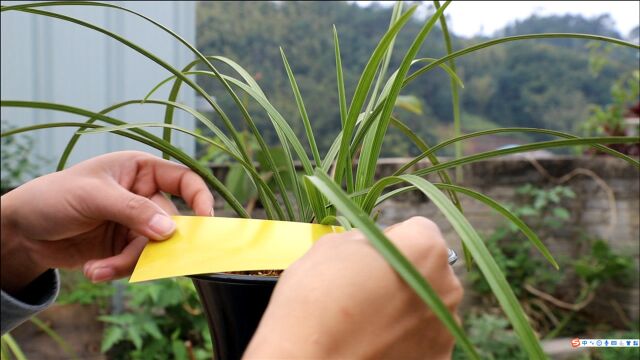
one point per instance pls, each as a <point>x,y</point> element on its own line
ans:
<point>342,99</point>
<point>331,219</point>
<point>444,176</point>
<point>258,181</point>
<point>455,99</point>
<point>487,265</point>
<point>514,150</point>
<point>344,159</point>
<point>151,140</point>
<point>13,346</point>
<point>64,345</point>
<point>368,120</point>
<point>29,8</point>
<point>370,154</point>
<point>432,150</point>
<point>489,43</point>
<point>393,256</point>
<point>301,109</point>
<point>526,230</point>
<point>529,147</point>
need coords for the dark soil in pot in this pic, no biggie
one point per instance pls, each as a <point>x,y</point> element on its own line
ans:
<point>233,304</point>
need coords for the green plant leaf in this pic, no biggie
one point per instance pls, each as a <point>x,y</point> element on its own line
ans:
<point>301,109</point>
<point>393,256</point>
<point>179,350</point>
<point>371,151</point>
<point>486,264</point>
<point>409,103</point>
<point>249,168</point>
<point>64,345</point>
<point>455,98</point>
<point>529,147</point>
<point>112,335</point>
<point>364,83</point>
<point>199,90</point>
<point>13,346</point>
<point>443,144</point>
<point>342,99</point>
<point>152,141</point>
<point>373,199</point>
<point>332,220</point>
<point>489,43</point>
<point>152,329</point>
<point>367,121</point>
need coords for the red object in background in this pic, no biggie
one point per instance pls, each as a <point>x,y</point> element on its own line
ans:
<point>627,149</point>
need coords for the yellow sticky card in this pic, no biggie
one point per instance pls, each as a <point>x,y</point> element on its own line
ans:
<point>214,244</point>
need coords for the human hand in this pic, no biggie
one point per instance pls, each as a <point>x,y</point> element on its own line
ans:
<point>343,301</point>
<point>98,213</point>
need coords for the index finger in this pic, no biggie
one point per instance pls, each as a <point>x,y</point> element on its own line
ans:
<point>159,174</point>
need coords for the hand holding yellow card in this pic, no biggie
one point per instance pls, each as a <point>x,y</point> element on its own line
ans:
<point>215,244</point>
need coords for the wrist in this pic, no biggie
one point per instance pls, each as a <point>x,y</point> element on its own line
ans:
<point>18,268</point>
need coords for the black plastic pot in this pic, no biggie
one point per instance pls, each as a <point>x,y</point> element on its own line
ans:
<point>234,305</point>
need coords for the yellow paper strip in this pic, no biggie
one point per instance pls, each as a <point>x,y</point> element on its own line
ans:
<point>214,244</point>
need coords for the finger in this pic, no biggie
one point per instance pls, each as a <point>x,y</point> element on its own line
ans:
<point>420,240</point>
<point>164,203</point>
<point>178,180</point>
<point>136,212</point>
<point>118,266</point>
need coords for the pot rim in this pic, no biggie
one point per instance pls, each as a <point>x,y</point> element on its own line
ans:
<point>235,278</point>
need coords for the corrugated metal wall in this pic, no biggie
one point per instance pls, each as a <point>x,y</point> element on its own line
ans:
<point>52,60</point>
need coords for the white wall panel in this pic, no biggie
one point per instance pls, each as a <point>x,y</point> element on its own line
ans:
<point>51,60</point>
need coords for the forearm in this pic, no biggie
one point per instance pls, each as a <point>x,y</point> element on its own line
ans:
<point>18,268</point>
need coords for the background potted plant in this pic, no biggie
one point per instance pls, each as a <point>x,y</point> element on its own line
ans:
<point>326,189</point>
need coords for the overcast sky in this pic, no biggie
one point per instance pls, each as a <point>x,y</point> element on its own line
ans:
<point>468,18</point>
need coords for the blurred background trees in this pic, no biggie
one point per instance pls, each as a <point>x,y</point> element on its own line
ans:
<point>546,83</point>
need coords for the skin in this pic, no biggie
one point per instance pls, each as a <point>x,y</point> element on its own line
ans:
<point>97,214</point>
<point>364,309</point>
<point>341,300</point>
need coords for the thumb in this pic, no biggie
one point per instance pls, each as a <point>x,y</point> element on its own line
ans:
<point>117,266</point>
<point>137,213</point>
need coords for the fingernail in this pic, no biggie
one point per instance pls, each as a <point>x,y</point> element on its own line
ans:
<point>211,212</point>
<point>102,274</point>
<point>162,225</point>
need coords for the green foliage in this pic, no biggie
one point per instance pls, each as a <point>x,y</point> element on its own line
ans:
<point>625,92</point>
<point>544,211</point>
<point>163,319</point>
<point>17,161</point>
<point>10,349</point>
<point>538,84</point>
<point>602,264</point>
<point>492,337</point>
<point>84,292</point>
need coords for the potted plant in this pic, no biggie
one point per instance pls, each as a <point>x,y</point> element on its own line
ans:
<point>328,190</point>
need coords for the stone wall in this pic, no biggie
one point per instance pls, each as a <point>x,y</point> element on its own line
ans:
<point>606,205</point>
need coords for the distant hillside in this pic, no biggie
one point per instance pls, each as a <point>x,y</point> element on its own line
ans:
<point>529,83</point>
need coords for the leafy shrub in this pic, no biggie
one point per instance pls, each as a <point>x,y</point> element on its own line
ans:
<point>493,338</point>
<point>163,319</point>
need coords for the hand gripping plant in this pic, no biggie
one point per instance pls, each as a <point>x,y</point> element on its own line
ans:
<point>329,190</point>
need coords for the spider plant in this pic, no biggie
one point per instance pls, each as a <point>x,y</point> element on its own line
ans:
<point>327,189</point>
